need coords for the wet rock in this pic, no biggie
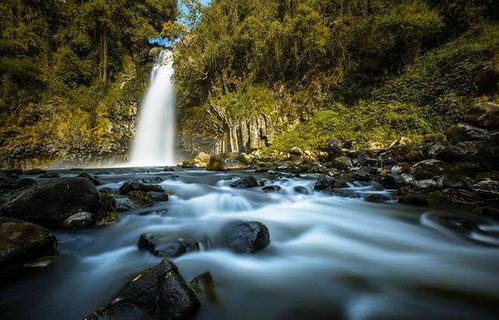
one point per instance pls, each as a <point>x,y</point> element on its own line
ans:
<point>448,181</point>
<point>365,174</point>
<point>300,190</point>
<point>89,177</point>
<point>390,181</point>
<point>164,245</point>
<point>205,287</point>
<point>268,189</point>
<point>428,169</point>
<point>484,115</point>
<point>24,183</point>
<point>324,182</point>
<point>342,163</point>
<point>490,149</point>
<point>124,204</point>
<point>461,133</point>
<point>468,150</point>
<point>107,202</point>
<point>49,175</point>
<point>140,199</point>
<point>426,184</point>
<point>245,182</point>
<point>157,293</point>
<point>246,237</point>
<point>487,188</point>
<point>334,149</point>
<point>53,202</point>
<point>158,196</point>
<point>22,242</point>
<point>35,171</point>
<point>415,199</point>
<point>400,168</point>
<point>139,185</point>
<point>79,220</point>
<point>377,197</point>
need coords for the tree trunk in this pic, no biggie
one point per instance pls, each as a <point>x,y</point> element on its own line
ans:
<point>104,56</point>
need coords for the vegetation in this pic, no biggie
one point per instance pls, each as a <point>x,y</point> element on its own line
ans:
<point>355,70</point>
<point>64,66</point>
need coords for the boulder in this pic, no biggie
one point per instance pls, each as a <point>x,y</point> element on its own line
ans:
<point>167,246</point>
<point>140,199</point>
<point>426,184</point>
<point>377,197</point>
<point>79,220</point>
<point>490,149</point>
<point>245,182</point>
<point>342,163</point>
<point>22,242</point>
<point>296,152</point>
<point>428,169</point>
<point>139,185</point>
<point>300,190</point>
<point>461,133</point>
<point>53,202</point>
<point>246,237</point>
<point>449,181</point>
<point>334,149</point>
<point>390,181</point>
<point>268,189</point>
<point>107,201</point>
<point>89,177</point>
<point>485,115</point>
<point>156,293</point>
<point>365,174</point>
<point>201,160</point>
<point>324,182</point>
<point>205,287</point>
<point>158,196</point>
<point>488,188</point>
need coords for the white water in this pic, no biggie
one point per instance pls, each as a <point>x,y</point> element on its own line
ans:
<point>329,257</point>
<point>154,142</point>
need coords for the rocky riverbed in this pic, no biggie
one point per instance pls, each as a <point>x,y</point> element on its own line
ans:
<point>167,243</point>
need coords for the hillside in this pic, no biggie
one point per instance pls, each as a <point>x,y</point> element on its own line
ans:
<point>275,74</point>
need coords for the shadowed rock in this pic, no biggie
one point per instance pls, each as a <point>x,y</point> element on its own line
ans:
<point>158,293</point>
<point>246,237</point>
<point>53,202</point>
<point>22,242</point>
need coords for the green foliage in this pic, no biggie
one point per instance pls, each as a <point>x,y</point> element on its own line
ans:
<point>366,122</point>
<point>389,67</point>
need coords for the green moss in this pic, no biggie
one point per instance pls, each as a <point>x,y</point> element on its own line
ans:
<point>362,123</point>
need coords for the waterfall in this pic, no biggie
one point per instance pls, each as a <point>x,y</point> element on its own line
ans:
<point>154,140</point>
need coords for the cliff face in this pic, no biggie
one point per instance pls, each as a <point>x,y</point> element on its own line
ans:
<point>246,136</point>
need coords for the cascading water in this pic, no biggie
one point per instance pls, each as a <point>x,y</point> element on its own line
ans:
<point>154,140</point>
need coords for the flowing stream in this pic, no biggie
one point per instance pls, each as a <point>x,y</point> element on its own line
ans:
<point>154,142</point>
<point>330,257</point>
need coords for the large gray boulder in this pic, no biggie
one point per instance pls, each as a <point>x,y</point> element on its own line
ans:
<point>54,201</point>
<point>156,293</point>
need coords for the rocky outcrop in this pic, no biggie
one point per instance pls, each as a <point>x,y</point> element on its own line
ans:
<point>246,136</point>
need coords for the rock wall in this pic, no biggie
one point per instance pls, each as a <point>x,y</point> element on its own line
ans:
<point>246,136</point>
